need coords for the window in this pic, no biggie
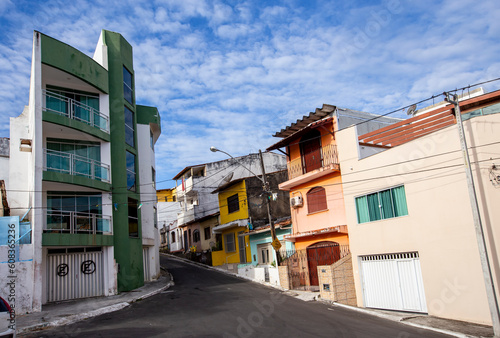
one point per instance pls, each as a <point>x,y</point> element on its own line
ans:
<point>155,217</point>
<point>133,220</point>
<point>233,203</point>
<point>230,244</point>
<point>153,176</point>
<point>130,171</point>
<point>128,92</point>
<point>316,200</point>
<point>196,235</point>
<point>208,234</point>
<point>151,140</point>
<point>129,127</point>
<point>381,205</point>
<point>78,105</point>
<point>264,252</point>
<point>76,213</point>
<point>173,236</point>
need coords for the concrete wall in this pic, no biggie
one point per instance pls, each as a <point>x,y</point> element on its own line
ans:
<point>206,244</point>
<point>336,282</point>
<point>150,232</point>
<point>439,224</point>
<point>258,273</point>
<point>265,237</point>
<point>206,202</point>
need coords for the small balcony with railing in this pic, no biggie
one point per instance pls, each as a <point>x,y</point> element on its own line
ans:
<point>71,222</point>
<point>75,109</point>
<point>312,164</point>
<point>72,164</point>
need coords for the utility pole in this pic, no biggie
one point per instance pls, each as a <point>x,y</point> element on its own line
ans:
<point>481,242</point>
<point>271,224</point>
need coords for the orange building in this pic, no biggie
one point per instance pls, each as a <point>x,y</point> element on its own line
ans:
<point>315,185</point>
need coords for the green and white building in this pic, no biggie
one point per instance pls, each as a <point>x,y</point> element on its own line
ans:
<point>82,163</point>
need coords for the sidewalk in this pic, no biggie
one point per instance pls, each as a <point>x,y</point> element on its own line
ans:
<point>450,327</point>
<point>67,312</point>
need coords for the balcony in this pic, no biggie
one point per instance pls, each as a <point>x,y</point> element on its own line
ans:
<point>72,164</point>
<point>186,188</point>
<point>72,109</point>
<point>327,158</point>
<point>77,223</point>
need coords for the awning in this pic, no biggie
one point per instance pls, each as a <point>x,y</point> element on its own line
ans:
<point>289,139</point>
<point>293,237</point>
<point>243,223</point>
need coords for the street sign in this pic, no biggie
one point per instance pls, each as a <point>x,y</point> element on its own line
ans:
<point>276,244</point>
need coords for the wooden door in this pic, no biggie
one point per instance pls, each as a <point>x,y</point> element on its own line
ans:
<point>311,151</point>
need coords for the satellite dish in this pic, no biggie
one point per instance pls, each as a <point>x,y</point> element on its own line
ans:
<point>411,110</point>
<point>226,179</point>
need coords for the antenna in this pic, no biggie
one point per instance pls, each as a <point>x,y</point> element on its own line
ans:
<point>412,110</point>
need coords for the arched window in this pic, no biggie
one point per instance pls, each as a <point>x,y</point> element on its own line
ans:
<point>316,200</point>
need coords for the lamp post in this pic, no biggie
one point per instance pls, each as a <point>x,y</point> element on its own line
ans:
<point>265,186</point>
<point>478,225</point>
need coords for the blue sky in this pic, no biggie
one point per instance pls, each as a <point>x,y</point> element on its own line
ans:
<point>231,73</point>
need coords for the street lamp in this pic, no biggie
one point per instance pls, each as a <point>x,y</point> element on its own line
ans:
<point>276,243</point>
<point>214,150</point>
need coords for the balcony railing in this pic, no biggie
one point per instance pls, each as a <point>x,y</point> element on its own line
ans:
<point>75,110</point>
<point>328,156</point>
<point>77,223</point>
<point>72,164</point>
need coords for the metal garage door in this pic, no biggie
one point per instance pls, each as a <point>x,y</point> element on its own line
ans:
<point>393,281</point>
<point>74,273</point>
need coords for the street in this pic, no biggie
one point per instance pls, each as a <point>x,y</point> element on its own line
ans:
<point>207,303</point>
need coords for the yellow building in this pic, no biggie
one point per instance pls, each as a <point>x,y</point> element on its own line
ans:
<point>233,205</point>
<point>166,195</point>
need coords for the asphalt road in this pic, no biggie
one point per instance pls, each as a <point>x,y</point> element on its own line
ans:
<point>207,303</point>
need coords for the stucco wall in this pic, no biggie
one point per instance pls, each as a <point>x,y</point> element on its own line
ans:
<point>439,223</point>
<point>335,214</point>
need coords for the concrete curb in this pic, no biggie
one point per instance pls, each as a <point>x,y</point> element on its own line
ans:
<point>94,313</point>
<point>74,318</point>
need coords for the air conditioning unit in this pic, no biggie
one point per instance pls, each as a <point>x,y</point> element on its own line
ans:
<point>296,201</point>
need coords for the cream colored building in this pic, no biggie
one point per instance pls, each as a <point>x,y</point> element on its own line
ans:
<point>409,217</point>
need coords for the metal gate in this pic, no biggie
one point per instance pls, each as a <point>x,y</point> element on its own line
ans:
<point>393,282</point>
<point>74,273</point>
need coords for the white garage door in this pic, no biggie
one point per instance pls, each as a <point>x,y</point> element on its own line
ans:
<point>393,282</point>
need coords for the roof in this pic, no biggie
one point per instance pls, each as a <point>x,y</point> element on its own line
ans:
<point>318,114</point>
<point>423,124</point>
<point>287,140</point>
<point>345,117</point>
<point>179,175</point>
<point>279,224</point>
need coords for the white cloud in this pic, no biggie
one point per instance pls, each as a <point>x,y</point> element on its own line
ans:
<point>233,75</point>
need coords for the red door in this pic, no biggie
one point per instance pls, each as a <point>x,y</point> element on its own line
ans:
<point>321,254</point>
